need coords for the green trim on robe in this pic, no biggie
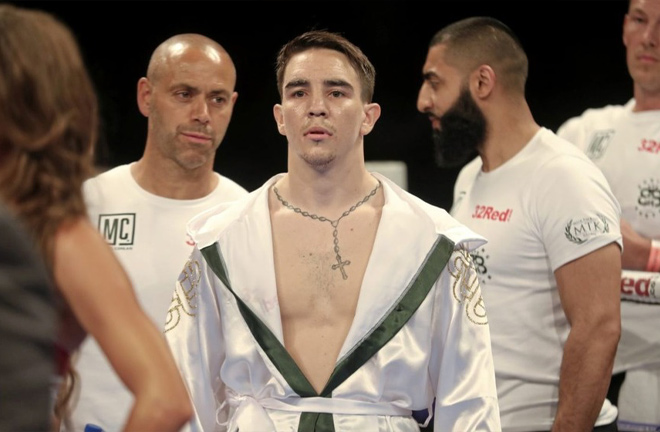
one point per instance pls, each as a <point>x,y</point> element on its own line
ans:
<point>414,295</point>
<point>266,339</point>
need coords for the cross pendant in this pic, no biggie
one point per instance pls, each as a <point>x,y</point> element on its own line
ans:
<point>340,265</point>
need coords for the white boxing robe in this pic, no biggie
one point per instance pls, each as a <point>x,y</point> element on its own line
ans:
<point>225,331</point>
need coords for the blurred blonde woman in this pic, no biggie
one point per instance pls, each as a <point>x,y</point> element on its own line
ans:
<point>48,123</point>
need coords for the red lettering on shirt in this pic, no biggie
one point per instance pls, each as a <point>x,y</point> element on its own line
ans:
<point>489,212</point>
<point>649,146</point>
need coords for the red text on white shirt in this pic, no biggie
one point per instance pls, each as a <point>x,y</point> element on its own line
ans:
<point>489,212</point>
<point>649,146</point>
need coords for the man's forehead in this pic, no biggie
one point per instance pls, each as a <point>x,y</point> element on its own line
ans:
<point>436,54</point>
<point>198,71</point>
<point>319,64</point>
<point>195,76</point>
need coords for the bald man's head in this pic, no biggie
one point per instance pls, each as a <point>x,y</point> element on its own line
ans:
<point>167,54</point>
<point>188,96</point>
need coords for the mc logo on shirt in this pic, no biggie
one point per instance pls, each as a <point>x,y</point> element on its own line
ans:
<point>118,229</point>
<point>599,143</point>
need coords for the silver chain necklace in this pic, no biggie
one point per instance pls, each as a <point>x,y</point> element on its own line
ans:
<point>335,223</point>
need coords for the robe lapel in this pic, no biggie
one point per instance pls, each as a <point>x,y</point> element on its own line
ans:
<point>393,287</point>
<point>253,280</point>
<point>415,293</point>
<point>388,274</point>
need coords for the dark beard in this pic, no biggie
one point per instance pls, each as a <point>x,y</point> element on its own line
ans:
<point>462,132</point>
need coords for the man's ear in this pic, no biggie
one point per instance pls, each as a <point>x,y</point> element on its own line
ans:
<point>279,119</point>
<point>482,81</point>
<point>371,116</point>
<point>144,92</point>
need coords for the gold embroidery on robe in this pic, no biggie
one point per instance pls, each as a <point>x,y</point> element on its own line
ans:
<point>185,295</point>
<point>466,287</point>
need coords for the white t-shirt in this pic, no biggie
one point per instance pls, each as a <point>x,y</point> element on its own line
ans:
<point>625,145</point>
<point>148,235</point>
<point>543,208</point>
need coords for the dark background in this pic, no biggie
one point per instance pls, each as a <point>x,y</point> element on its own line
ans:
<point>577,60</point>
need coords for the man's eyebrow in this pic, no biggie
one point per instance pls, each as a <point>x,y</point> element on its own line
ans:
<point>220,92</point>
<point>194,89</point>
<point>430,75</point>
<point>297,83</point>
<point>328,83</point>
<point>337,83</point>
<point>183,86</point>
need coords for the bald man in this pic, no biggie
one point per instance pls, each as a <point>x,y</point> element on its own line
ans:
<point>142,207</point>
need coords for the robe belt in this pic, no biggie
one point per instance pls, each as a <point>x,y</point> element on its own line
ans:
<point>251,415</point>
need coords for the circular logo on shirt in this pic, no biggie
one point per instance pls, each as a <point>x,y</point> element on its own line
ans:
<point>479,259</point>
<point>648,202</point>
<point>580,230</point>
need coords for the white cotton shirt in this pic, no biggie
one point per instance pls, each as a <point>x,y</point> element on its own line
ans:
<point>625,145</point>
<point>148,235</point>
<point>546,206</point>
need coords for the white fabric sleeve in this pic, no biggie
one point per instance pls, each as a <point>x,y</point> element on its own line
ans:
<point>575,210</point>
<point>572,131</point>
<point>462,361</point>
<point>194,334</point>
